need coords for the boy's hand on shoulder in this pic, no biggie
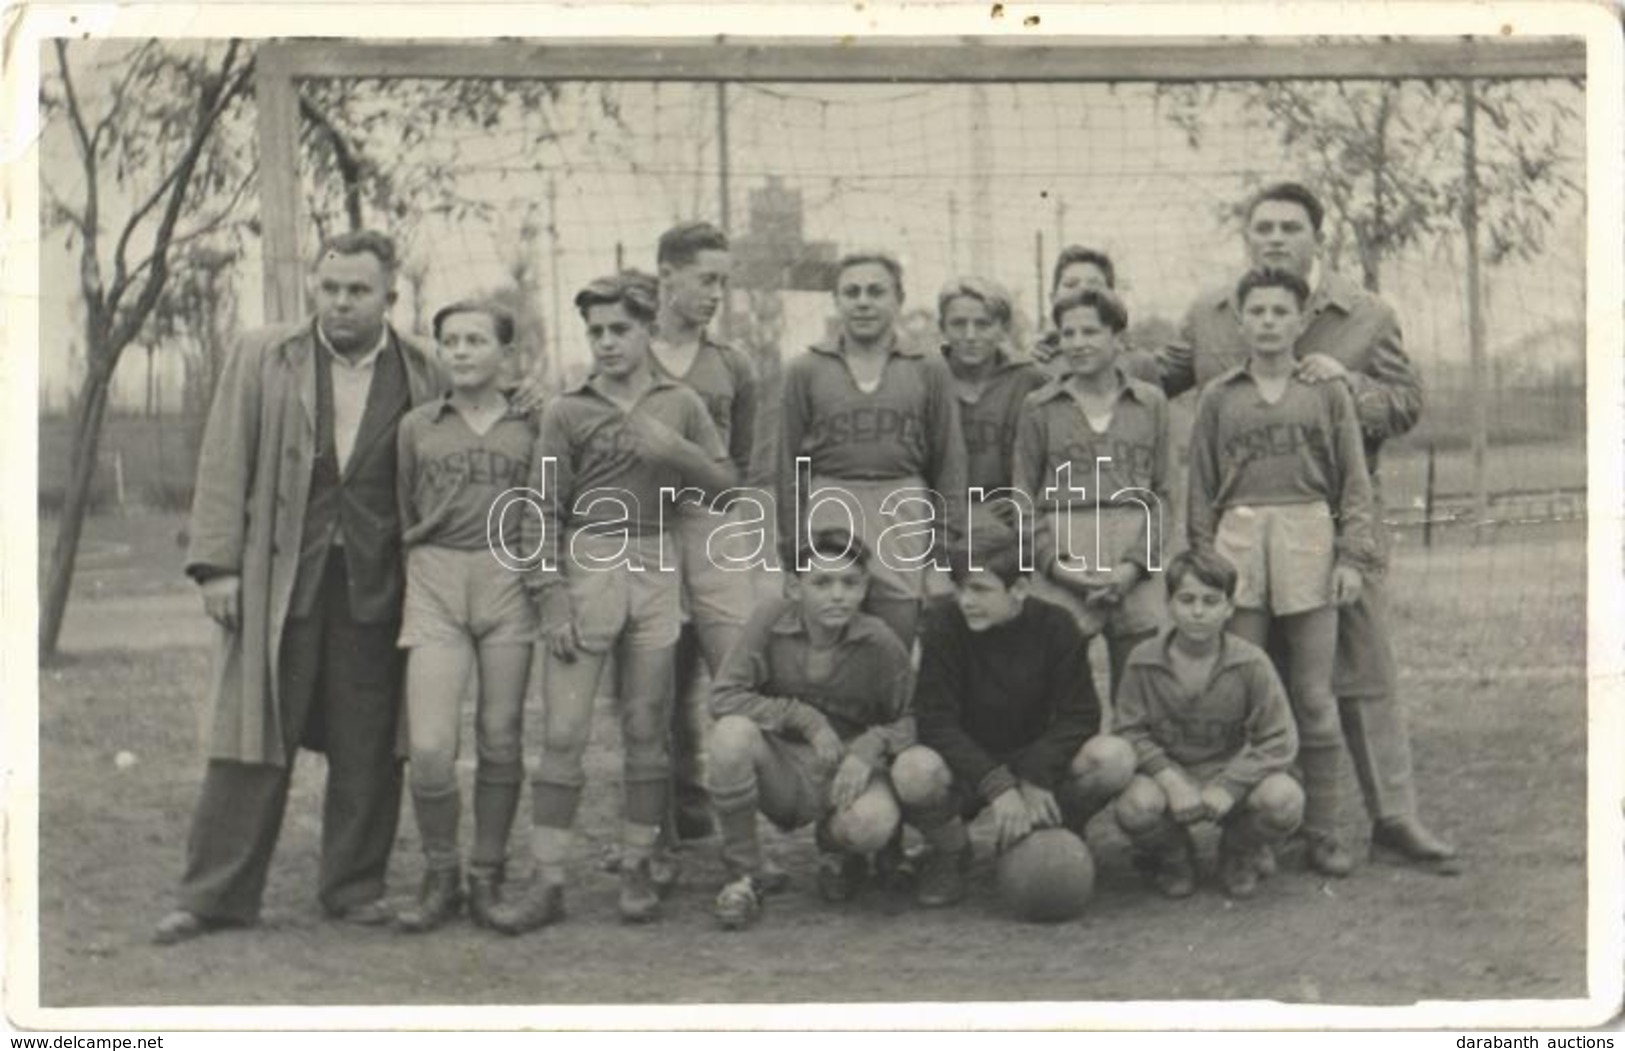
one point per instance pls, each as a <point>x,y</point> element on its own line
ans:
<point>1217,801</point>
<point>530,393</point>
<point>1011,818</point>
<point>1318,368</point>
<point>1347,584</point>
<point>1042,809</point>
<point>851,778</point>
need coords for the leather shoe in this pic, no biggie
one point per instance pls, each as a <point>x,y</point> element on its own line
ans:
<point>439,899</point>
<point>180,926</point>
<point>367,914</point>
<point>1407,837</point>
<point>538,905</point>
<point>484,894</point>
<point>1328,855</point>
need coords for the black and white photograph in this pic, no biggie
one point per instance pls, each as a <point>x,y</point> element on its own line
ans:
<point>1028,506</point>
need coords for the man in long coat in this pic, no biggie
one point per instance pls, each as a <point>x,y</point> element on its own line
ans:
<point>295,544</point>
<point>1352,337</point>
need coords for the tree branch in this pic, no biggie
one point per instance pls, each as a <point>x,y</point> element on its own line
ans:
<point>203,230</point>
<point>209,112</point>
<point>344,155</point>
<point>63,210</point>
<point>132,67</point>
<point>76,113</point>
<point>216,95</point>
<point>90,271</point>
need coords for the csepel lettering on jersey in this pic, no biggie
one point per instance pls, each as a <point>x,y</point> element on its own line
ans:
<point>609,445</point>
<point>1275,441</point>
<point>866,425</point>
<point>473,467</point>
<point>985,436</point>
<point>1206,734</point>
<point>1134,463</point>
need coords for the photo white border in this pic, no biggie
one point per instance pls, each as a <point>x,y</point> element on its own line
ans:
<point>27,27</point>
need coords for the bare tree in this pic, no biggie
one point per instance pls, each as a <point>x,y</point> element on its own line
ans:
<point>151,139</point>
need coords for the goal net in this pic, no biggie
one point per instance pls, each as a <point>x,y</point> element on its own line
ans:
<point>532,188</point>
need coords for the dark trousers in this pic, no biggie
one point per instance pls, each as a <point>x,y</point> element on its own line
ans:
<point>340,693</point>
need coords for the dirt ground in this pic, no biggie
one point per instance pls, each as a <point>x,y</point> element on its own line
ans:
<point>1493,652</point>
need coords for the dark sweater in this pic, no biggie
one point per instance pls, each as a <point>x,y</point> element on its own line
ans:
<point>1015,701</point>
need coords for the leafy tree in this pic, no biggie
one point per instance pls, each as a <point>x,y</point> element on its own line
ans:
<point>1386,156</point>
<point>154,175</point>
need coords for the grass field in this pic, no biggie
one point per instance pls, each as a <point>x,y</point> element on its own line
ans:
<point>1491,640</point>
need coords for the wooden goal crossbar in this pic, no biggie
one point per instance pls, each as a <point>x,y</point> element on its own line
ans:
<point>281,64</point>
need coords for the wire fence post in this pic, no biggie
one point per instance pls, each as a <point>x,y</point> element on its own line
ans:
<point>1427,501</point>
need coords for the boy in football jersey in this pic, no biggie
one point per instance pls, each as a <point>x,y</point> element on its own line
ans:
<point>1092,449</point>
<point>1008,721</point>
<point>1212,734</point>
<point>694,268</point>
<point>464,608</point>
<point>607,453</point>
<point>1279,486</point>
<point>975,315</point>
<point>878,421</point>
<point>811,707</point>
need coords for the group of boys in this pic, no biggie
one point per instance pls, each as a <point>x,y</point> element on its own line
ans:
<point>907,674</point>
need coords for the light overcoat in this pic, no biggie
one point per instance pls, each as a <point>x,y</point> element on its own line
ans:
<point>248,512</point>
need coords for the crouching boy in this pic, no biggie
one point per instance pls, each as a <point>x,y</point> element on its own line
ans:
<point>1212,734</point>
<point>1008,720</point>
<point>811,704</point>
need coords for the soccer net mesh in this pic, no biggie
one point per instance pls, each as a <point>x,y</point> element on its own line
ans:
<point>533,189</point>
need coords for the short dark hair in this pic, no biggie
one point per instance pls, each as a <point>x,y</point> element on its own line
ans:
<point>1104,301</point>
<point>1078,254</point>
<point>1292,193</point>
<point>990,294</point>
<point>1271,277</point>
<point>680,245</point>
<point>1209,567</point>
<point>636,291</point>
<point>501,318</point>
<point>832,543</point>
<point>885,259</point>
<point>1000,557</point>
<point>358,242</point>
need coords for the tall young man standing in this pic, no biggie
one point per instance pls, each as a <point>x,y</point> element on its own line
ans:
<point>694,267</point>
<point>1352,337</point>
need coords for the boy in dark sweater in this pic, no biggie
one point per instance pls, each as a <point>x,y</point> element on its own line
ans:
<point>1212,735</point>
<point>1008,719</point>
